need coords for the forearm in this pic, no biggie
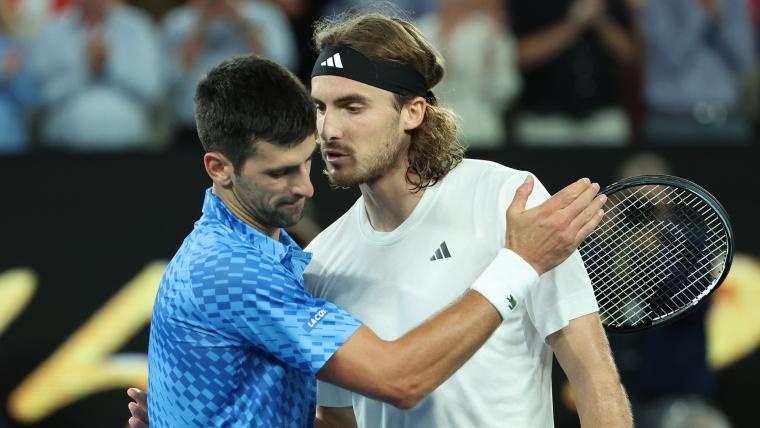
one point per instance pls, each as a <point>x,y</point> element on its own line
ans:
<point>617,40</point>
<point>537,48</point>
<point>584,354</point>
<point>403,371</point>
<point>603,403</point>
<point>431,353</point>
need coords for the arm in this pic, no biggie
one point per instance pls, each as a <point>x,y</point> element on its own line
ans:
<point>538,48</point>
<point>404,371</point>
<point>335,417</point>
<point>584,354</point>
<point>618,40</point>
<point>543,45</point>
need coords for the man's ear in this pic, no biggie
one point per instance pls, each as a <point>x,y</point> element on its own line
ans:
<point>219,168</point>
<point>413,113</point>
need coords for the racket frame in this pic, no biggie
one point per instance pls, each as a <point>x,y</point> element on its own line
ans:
<point>707,197</point>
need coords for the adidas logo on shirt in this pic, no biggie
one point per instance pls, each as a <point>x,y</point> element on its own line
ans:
<point>441,253</point>
<point>334,61</point>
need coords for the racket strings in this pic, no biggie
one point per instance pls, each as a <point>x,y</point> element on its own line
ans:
<point>658,251</point>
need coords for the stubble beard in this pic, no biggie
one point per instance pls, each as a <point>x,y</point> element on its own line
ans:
<point>271,215</point>
<point>373,167</point>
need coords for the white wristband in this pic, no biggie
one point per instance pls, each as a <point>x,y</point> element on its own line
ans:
<point>506,282</point>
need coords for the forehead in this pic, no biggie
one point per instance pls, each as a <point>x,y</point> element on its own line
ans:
<point>328,88</point>
<point>276,156</point>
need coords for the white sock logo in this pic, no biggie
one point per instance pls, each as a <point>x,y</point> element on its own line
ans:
<point>333,61</point>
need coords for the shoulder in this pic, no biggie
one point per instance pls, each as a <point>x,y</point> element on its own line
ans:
<point>215,255</point>
<point>484,183</point>
<point>479,173</point>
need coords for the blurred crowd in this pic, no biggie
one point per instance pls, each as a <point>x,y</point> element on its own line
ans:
<point>107,75</point>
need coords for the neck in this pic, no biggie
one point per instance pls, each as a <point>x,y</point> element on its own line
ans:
<point>389,200</point>
<point>232,202</point>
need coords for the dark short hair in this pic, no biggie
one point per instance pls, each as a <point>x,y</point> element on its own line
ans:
<point>249,99</point>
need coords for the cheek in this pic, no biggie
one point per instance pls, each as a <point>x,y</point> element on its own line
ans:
<point>320,123</point>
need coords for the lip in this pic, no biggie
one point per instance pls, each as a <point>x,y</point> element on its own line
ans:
<point>297,203</point>
<point>332,155</point>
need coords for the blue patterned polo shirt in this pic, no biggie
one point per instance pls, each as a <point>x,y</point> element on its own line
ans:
<point>235,340</point>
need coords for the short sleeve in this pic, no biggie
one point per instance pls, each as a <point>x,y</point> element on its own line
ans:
<point>252,298</point>
<point>329,395</point>
<point>562,294</point>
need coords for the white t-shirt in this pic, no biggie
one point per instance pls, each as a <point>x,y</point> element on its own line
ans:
<point>394,281</point>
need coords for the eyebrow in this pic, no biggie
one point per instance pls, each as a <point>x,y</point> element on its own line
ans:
<point>292,166</point>
<point>350,98</point>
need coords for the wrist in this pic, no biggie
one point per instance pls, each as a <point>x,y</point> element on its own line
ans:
<point>506,282</point>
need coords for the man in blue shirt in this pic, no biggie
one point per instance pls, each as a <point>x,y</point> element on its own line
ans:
<point>237,341</point>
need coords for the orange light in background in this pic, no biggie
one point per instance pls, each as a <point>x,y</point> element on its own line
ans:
<point>17,287</point>
<point>83,364</point>
<point>733,323</point>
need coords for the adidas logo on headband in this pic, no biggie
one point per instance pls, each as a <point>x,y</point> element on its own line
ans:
<point>333,61</point>
<point>392,76</point>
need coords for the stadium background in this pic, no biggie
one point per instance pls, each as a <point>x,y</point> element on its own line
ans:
<point>85,237</point>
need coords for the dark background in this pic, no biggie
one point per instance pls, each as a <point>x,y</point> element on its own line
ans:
<point>86,224</point>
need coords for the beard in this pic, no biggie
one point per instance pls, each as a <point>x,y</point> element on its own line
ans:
<point>280,215</point>
<point>271,215</point>
<point>374,166</point>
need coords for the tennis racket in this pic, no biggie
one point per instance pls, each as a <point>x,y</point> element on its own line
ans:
<point>663,246</point>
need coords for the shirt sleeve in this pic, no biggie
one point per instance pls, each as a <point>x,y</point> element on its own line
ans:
<point>562,294</point>
<point>252,298</point>
<point>329,395</point>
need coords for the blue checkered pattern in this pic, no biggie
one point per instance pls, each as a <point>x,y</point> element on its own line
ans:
<point>235,340</point>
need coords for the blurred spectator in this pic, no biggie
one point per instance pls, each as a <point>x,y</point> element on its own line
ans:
<point>17,87</point>
<point>202,33</point>
<point>697,51</point>
<point>98,64</point>
<point>411,8</point>
<point>481,74</point>
<point>751,84</point>
<point>570,52</point>
<point>683,412</point>
<point>665,370</point>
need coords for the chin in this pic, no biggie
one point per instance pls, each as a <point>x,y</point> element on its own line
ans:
<point>343,180</point>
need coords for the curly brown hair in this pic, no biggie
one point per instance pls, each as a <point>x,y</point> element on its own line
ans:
<point>435,149</point>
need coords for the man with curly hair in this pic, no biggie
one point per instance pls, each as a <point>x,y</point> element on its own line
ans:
<point>427,223</point>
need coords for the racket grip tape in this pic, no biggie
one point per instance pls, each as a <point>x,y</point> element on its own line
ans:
<point>506,282</point>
